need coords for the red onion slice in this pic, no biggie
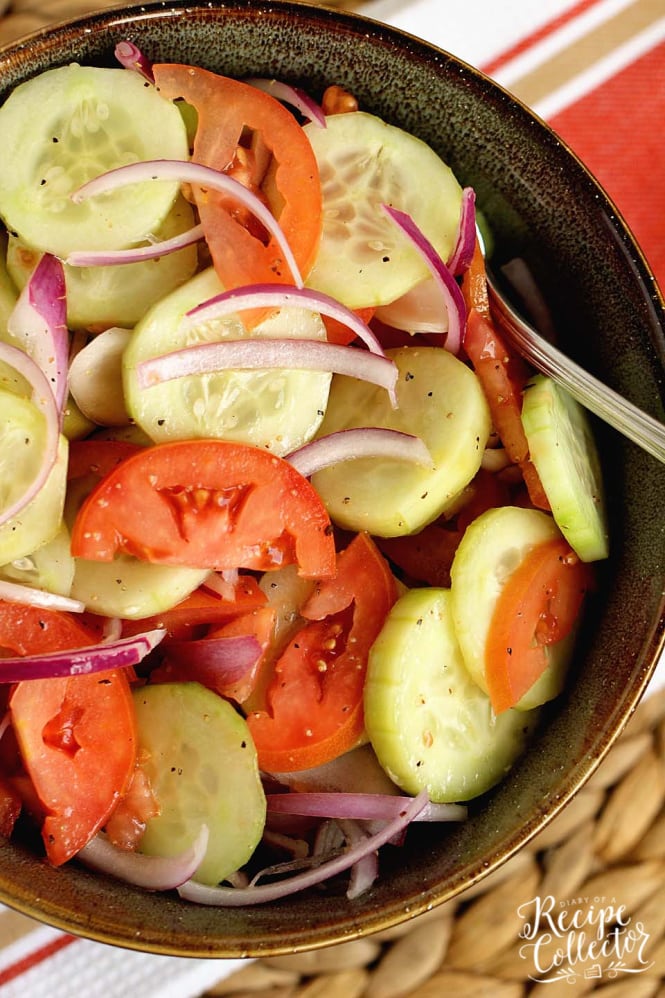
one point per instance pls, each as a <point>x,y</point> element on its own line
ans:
<point>43,398</point>
<point>39,322</point>
<point>294,96</point>
<point>190,173</point>
<point>450,291</point>
<point>154,873</point>
<point>239,896</point>
<point>280,296</point>
<point>81,661</point>
<point>223,660</point>
<point>366,870</point>
<point>466,234</point>
<point>357,442</point>
<point>136,254</point>
<point>130,56</point>
<point>14,592</point>
<point>358,806</point>
<point>258,354</point>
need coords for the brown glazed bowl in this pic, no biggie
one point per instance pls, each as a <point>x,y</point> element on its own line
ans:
<point>543,206</point>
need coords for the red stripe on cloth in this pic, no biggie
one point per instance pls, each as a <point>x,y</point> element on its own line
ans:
<point>536,36</point>
<point>616,130</point>
<point>35,958</point>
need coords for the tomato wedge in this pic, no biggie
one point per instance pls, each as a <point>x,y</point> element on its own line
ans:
<point>207,504</point>
<point>503,376</point>
<point>537,607</point>
<point>251,136</point>
<point>77,738</point>
<point>314,709</point>
<point>30,630</point>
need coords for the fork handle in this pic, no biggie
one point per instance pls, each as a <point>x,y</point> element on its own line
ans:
<point>635,424</point>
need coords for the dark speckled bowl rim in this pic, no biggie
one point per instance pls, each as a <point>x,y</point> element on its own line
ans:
<point>88,905</point>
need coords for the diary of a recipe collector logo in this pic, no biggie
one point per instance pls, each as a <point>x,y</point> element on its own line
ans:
<point>581,939</point>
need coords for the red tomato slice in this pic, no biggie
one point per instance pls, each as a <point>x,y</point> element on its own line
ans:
<point>207,503</point>
<point>77,738</point>
<point>338,332</point>
<point>29,630</point>
<point>474,284</point>
<point>126,824</point>
<point>503,376</point>
<point>250,135</point>
<point>314,709</point>
<point>537,606</point>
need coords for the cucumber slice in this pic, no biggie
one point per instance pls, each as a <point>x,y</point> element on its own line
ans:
<point>22,438</point>
<point>132,589</point>
<point>439,400</point>
<point>50,567</point>
<point>70,124</point>
<point>275,409</point>
<point>492,547</point>
<point>428,722</point>
<point>201,764</point>
<point>564,452</point>
<point>99,297</point>
<point>363,259</point>
<point>8,290</point>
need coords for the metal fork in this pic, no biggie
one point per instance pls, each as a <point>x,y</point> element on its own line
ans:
<point>647,432</point>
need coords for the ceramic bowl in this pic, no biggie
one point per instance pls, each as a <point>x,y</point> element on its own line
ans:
<point>542,205</point>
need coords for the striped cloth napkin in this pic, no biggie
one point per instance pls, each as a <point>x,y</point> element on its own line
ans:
<point>595,69</point>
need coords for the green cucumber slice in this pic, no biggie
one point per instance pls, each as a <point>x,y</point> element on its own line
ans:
<point>22,439</point>
<point>275,409</point>
<point>428,722</point>
<point>492,547</point>
<point>201,764</point>
<point>66,126</point>
<point>439,400</point>
<point>363,259</point>
<point>132,589</point>
<point>563,449</point>
<point>8,290</point>
<point>50,567</point>
<point>99,297</point>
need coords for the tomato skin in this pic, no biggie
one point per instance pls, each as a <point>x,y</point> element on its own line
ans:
<point>537,606</point>
<point>207,504</point>
<point>503,376</point>
<point>290,184</point>
<point>314,709</point>
<point>77,738</point>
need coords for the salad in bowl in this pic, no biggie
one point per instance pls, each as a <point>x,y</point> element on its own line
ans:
<point>296,552</point>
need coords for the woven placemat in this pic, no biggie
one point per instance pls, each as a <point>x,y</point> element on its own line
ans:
<point>600,861</point>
